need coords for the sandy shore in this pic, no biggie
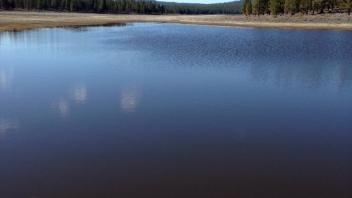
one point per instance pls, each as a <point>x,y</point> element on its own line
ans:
<point>17,20</point>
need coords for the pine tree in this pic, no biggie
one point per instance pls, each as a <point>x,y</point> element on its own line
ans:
<point>289,7</point>
<point>347,4</point>
<point>249,7</point>
<point>245,7</point>
<point>256,7</point>
<point>273,7</point>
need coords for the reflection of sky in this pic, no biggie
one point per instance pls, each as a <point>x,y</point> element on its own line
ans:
<point>129,101</point>
<point>148,106</point>
<point>7,125</point>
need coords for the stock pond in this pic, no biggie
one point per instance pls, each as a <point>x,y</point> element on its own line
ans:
<point>170,110</point>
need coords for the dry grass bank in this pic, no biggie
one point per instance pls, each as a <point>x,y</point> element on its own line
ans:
<point>17,20</point>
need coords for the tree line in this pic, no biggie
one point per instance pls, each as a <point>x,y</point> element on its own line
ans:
<point>121,6</point>
<point>291,7</point>
<point>104,6</point>
<point>233,7</point>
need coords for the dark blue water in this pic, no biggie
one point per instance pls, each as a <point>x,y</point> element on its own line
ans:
<point>168,110</point>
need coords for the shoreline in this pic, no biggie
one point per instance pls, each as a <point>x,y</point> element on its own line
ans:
<point>22,20</point>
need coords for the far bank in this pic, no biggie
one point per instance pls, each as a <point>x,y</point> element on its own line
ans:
<point>18,20</point>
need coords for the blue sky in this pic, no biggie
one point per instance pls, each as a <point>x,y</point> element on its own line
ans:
<point>197,1</point>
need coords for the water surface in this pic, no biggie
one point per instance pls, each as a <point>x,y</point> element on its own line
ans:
<point>168,110</point>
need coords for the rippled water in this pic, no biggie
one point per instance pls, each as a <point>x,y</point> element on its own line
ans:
<point>168,110</point>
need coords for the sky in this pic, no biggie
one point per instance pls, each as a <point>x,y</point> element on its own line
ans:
<point>197,1</point>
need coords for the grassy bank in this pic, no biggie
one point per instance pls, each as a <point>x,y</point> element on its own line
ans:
<point>16,20</point>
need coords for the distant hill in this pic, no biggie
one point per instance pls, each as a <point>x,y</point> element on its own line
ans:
<point>233,7</point>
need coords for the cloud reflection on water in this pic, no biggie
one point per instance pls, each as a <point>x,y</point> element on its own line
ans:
<point>80,94</point>
<point>129,100</point>
<point>6,77</point>
<point>62,107</point>
<point>7,125</point>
